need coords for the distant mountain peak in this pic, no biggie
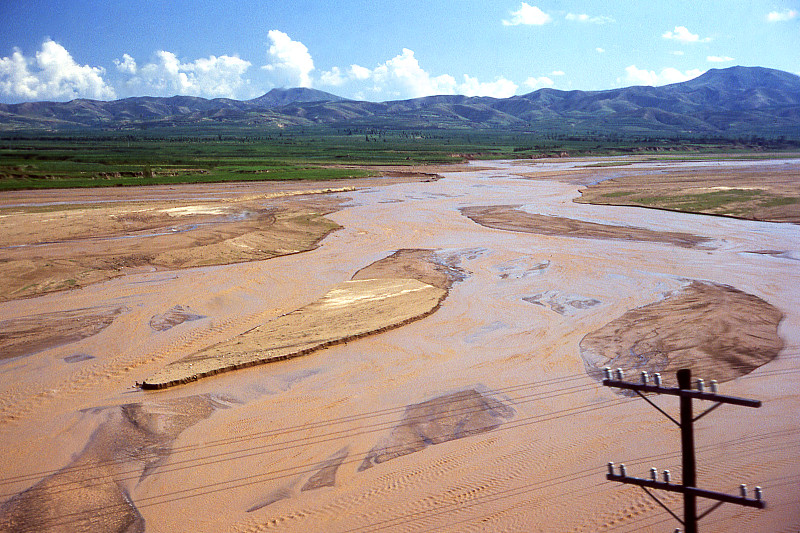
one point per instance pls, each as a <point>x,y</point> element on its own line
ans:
<point>734,101</point>
<point>295,95</point>
<point>741,78</point>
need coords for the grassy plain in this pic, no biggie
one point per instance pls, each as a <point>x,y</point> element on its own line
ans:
<point>152,157</point>
<point>769,194</point>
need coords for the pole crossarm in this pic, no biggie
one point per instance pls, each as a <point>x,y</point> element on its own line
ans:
<point>701,493</point>
<point>686,420</point>
<point>683,393</point>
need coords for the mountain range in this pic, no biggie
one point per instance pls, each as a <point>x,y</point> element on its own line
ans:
<point>727,102</point>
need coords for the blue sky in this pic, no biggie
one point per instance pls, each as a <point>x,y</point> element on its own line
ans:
<point>378,50</point>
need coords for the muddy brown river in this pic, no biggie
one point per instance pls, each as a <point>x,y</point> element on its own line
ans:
<point>453,384</point>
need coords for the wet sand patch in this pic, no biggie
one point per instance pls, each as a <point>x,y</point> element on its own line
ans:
<point>31,334</point>
<point>781,254</point>
<point>78,358</point>
<point>511,218</point>
<point>522,268</point>
<point>562,303</point>
<point>442,419</point>
<point>91,494</point>
<point>716,330</point>
<point>326,476</point>
<point>175,316</point>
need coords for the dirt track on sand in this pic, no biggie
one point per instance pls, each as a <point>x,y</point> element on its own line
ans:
<point>481,416</point>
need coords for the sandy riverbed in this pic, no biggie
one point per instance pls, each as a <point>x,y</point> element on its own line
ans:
<point>465,397</point>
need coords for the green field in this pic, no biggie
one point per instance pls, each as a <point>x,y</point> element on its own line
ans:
<point>153,157</point>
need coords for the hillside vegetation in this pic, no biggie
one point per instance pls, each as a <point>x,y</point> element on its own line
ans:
<point>738,101</point>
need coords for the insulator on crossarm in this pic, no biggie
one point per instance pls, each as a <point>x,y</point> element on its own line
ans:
<point>645,377</point>
<point>701,385</point>
<point>759,493</point>
<point>714,385</point>
<point>611,468</point>
<point>622,470</point>
<point>657,379</point>
<point>654,474</point>
<point>667,476</point>
<point>743,490</point>
<point>620,374</point>
<point>607,372</point>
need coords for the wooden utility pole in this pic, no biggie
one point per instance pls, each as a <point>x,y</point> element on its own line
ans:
<point>688,486</point>
<point>688,463</point>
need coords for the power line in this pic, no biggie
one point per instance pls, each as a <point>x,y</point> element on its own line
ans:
<point>312,467</point>
<point>292,471</point>
<point>259,478</point>
<point>297,442</point>
<point>307,427</point>
<point>291,429</point>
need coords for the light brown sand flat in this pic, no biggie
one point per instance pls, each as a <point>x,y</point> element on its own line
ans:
<point>423,265</point>
<point>349,311</point>
<point>511,330</point>
<point>31,334</point>
<point>55,248</point>
<point>511,218</point>
<point>719,332</point>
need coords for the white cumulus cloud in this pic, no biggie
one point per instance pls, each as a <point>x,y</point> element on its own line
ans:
<point>600,50</point>
<point>290,61</point>
<point>499,88</point>
<point>127,65</point>
<point>528,15</point>
<point>359,73</point>
<point>52,75</point>
<point>403,76</point>
<point>539,83</point>
<point>166,75</point>
<point>683,35</point>
<point>782,16</point>
<point>718,59</point>
<point>333,77</point>
<point>583,17</point>
<point>636,76</point>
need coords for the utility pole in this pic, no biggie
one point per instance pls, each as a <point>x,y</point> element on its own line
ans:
<point>688,486</point>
